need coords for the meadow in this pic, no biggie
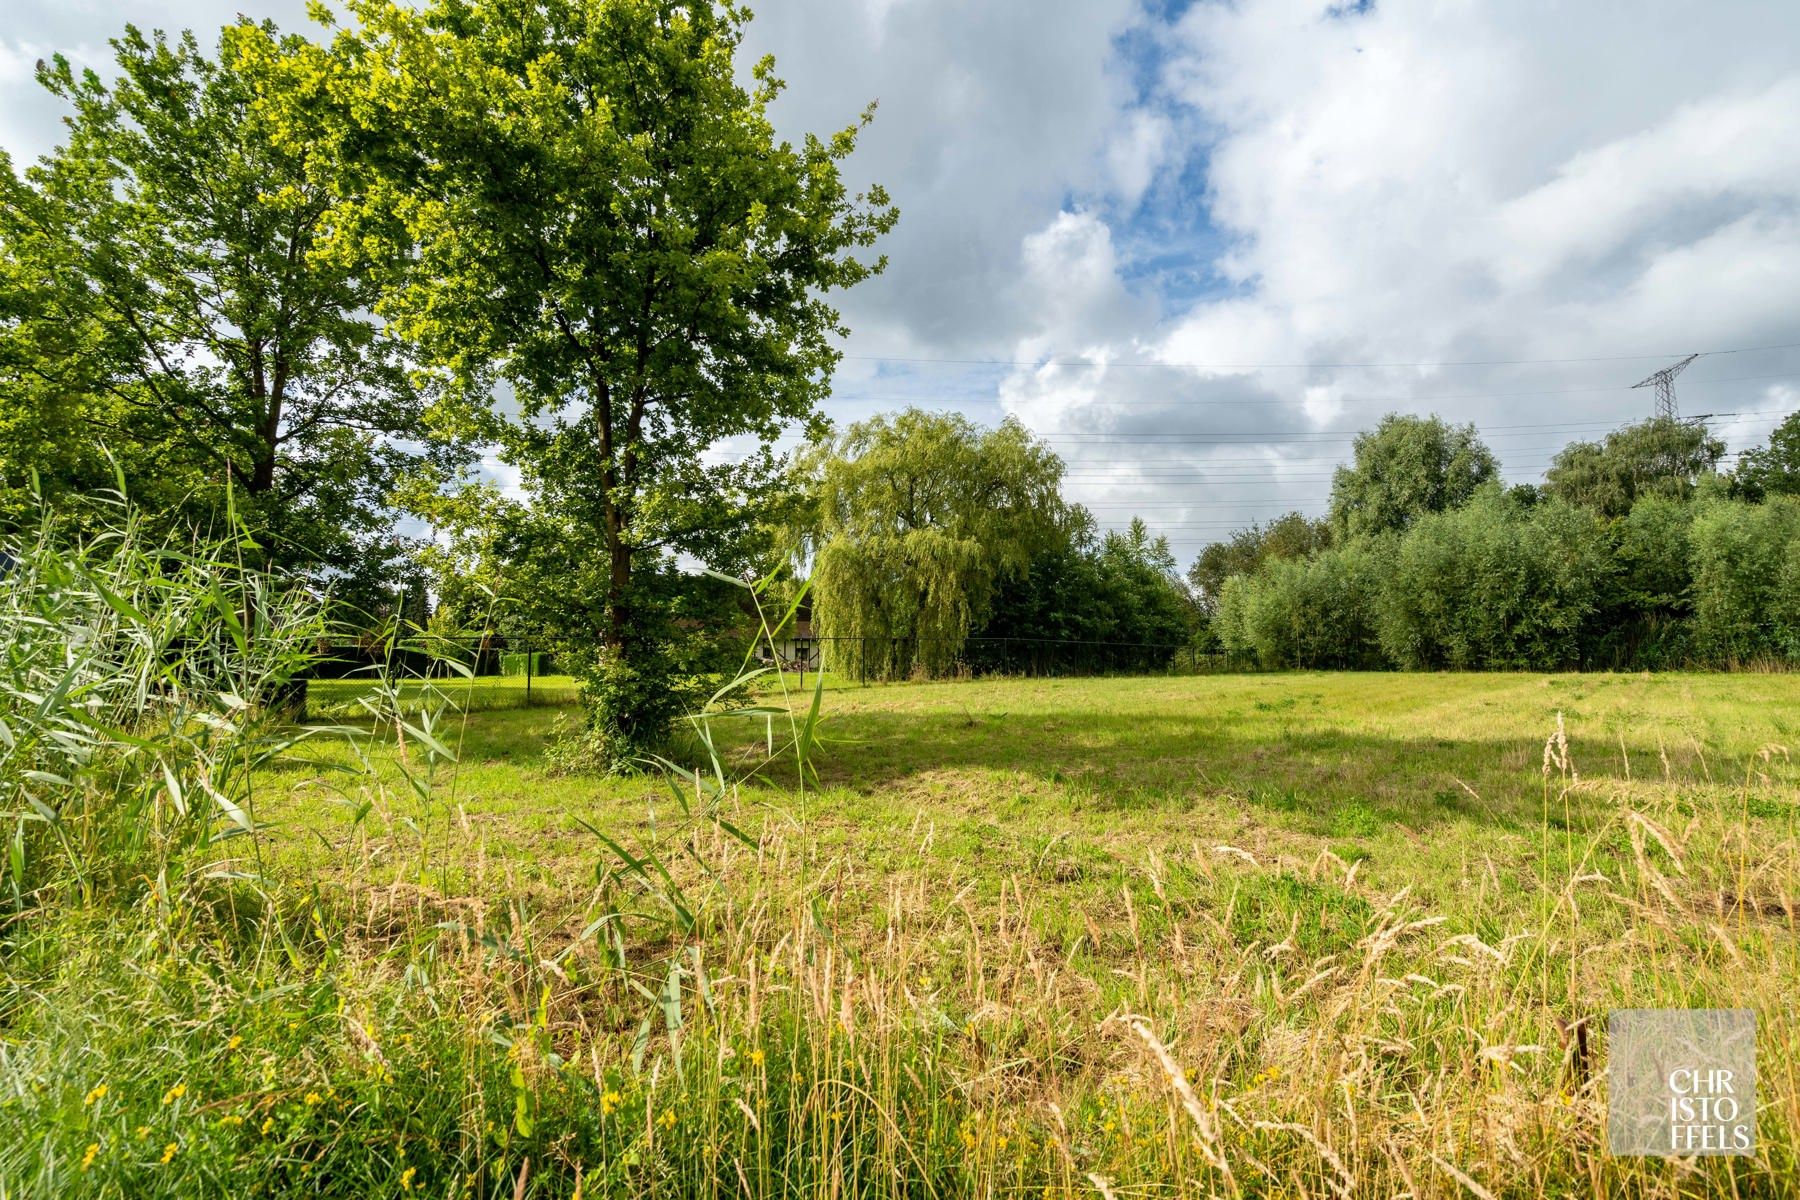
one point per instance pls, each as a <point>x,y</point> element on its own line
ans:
<point>1289,934</point>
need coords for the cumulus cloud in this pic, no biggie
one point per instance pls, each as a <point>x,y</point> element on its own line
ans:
<point>1471,183</point>
<point>30,118</point>
<point>990,116</point>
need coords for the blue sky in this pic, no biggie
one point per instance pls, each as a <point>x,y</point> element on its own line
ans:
<point>1173,238</point>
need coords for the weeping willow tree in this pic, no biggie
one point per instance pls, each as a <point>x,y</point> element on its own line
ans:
<point>912,521</point>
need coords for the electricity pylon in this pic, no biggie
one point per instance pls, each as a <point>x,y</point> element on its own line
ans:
<point>1664,382</point>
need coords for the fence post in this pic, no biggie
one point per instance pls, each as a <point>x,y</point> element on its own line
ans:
<point>528,666</point>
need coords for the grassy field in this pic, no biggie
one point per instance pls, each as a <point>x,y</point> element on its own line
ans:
<point>1330,934</point>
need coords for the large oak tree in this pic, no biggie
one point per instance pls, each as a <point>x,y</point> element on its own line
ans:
<point>606,232</point>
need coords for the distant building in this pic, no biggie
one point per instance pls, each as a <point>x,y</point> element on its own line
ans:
<point>796,647</point>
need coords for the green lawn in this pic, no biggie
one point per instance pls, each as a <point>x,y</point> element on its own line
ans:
<point>1408,773</point>
<point>340,697</point>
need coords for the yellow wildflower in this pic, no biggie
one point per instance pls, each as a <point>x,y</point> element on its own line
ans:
<point>406,1178</point>
<point>175,1093</point>
<point>668,1118</point>
<point>757,1057</point>
<point>268,1124</point>
<point>233,1042</point>
<point>169,1152</point>
<point>231,1119</point>
<point>98,1091</point>
<point>609,1103</point>
<point>143,1131</point>
<point>87,1160</point>
<point>313,1100</point>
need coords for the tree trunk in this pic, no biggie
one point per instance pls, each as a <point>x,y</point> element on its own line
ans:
<point>618,551</point>
<point>618,548</point>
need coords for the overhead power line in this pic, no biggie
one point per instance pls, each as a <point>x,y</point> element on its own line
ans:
<point>989,398</point>
<point>1302,366</point>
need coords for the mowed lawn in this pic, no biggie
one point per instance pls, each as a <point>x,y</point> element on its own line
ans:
<point>1372,923</point>
<point>1415,775</point>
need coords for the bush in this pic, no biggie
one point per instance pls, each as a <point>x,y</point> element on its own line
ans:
<point>539,661</point>
<point>1495,585</point>
<point>1746,579</point>
<point>1315,612</point>
<point>1644,623</point>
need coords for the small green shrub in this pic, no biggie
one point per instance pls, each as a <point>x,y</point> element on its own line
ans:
<point>539,662</point>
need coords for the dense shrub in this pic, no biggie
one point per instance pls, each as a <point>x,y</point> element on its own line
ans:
<point>1315,612</point>
<point>1494,585</point>
<point>1114,604</point>
<point>1746,579</point>
<point>1291,535</point>
<point>1644,619</point>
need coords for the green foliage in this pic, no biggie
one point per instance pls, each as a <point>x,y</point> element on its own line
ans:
<point>1774,469</point>
<point>1653,556</point>
<point>1291,535</point>
<point>1307,612</point>
<point>1405,468</point>
<point>532,662</point>
<point>912,522</point>
<point>1658,457</point>
<point>1122,592</point>
<point>597,213</point>
<point>1644,621</point>
<point>164,288</point>
<point>1495,586</point>
<point>1746,579</point>
<point>1630,555</point>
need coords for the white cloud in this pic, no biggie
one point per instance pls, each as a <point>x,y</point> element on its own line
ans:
<point>18,61</point>
<point>990,116</point>
<point>1135,152</point>
<point>1453,182</point>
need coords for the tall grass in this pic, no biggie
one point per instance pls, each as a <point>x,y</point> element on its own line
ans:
<point>136,681</point>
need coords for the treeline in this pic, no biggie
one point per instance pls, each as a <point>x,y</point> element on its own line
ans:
<point>1634,553</point>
